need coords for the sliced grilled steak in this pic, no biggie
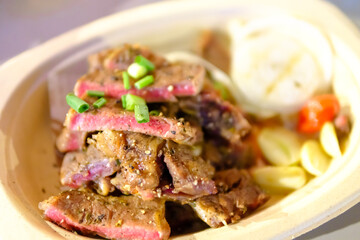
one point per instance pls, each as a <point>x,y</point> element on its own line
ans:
<point>190,174</point>
<point>237,196</point>
<point>113,117</point>
<point>126,217</point>
<point>79,168</point>
<point>120,58</point>
<point>70,140</point>
<point>140,170</point>
<point>182,219</point>
<point>223,155</point>
<point>218,117</point>
<point>169,82</point>
<point>132,155</point>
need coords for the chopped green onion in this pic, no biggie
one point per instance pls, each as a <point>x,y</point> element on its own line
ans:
<point>145,81</point>
<point>136,70</point>
<point>132,100</point>
<point>141,113</point>
<point>99,103</point>
<point>154,113</point>
<point>126,80</point>
<point>94,93</point>
<point>123,100</point>
<point>145,62</point>
<point>76,103</point>
<point>224,92</point>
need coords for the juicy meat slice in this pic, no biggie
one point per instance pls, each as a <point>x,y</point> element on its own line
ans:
<point>113,117</point>
<point>237,196</point>
<point>190,174</point>
<point>80,167</point>
<point>139,171</point>
<point>223,155</point>
<point>69,140</point>
<point>182,219</point>
<point>120,58</point>
<point>169,82</point>
<point>217,116</point>
<point>132,155</point>
<point>125,217</point>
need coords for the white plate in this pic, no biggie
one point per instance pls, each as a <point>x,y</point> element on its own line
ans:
<point>27,174</point>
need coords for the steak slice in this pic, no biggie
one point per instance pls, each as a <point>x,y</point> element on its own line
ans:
<point>217,116</point>
<point>132,155</point>
<point>237,196</point>
<point>125,217</point>
<point>223,155</point>
<point>140,170</point>
<point>182,219</point>
<point>120,58</point>
<point>69,140</point>
<point>190,174</point>
<point>80,167</point>
<point>113,117</point>
<point>169,82</point>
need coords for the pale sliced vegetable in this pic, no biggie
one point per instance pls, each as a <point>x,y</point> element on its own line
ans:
<point>280,146</point>
<point>329,140</point>
<point>279,62</point>
<point>313,158</point>
<point>280,179</point>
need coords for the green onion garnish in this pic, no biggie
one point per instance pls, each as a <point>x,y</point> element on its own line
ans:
<point>145,81</point>
<point>136,70</point>
<point>141,113</point>
<point>154,113</point>
<point>123,100</point>
<point>132,100</point>
<point>224,92</point>
<point>99,103</point>
<point>76,103</point>
<point>126,80</point>
<point>94,93</point>
<point>144,62</point>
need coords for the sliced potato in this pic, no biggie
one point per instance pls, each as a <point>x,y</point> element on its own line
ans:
<point>280,146</point>
<point>313,158</point>
<point>329,140</point>
<point>280,179</point>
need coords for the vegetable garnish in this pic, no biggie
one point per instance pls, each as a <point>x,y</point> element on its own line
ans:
<point>224,92</point>
<point>316,112</point>
<point>154,113</point>
<point>313,158</point>
<point>126,80</point>
<point>132,100</point>
<point>145,62</point>
<point>136,70</point>
<point>145,81</point>
<point>99,103</point>
<point>95,93</point>
<point>280,146</point>
<point>329,140</point>
<point>123,100</point>
<point>141,113</point>
<point>76,103</point>
<point>280,179</point>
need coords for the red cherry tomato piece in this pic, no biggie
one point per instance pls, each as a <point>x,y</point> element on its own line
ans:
<point>316,112</point>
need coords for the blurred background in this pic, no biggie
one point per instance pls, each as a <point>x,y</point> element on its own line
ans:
<point>28,23</point>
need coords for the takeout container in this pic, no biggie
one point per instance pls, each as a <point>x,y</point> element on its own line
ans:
<point>28,173</point>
